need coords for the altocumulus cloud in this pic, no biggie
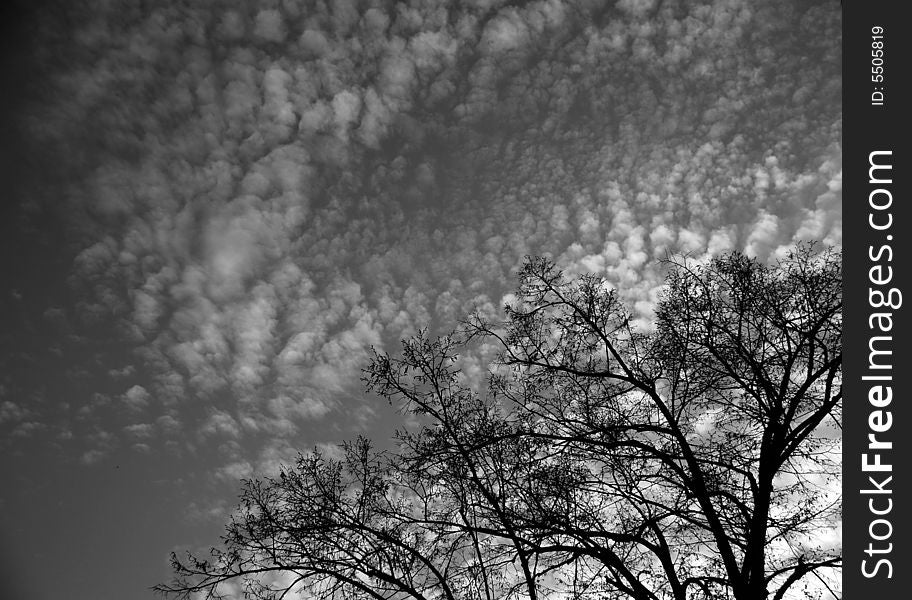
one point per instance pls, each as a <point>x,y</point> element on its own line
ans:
<point>267,189</point>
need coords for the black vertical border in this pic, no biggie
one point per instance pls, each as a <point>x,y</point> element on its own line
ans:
<point>869,127</point>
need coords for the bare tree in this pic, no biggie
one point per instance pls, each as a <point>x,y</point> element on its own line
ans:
<point>690,461</point>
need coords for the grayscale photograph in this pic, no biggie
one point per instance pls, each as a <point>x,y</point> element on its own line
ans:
<point>421,300</point>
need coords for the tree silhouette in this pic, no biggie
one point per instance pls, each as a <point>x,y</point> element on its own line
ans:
<point>688,461</point>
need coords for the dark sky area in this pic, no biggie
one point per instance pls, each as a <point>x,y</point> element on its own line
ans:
<point>212,211</point>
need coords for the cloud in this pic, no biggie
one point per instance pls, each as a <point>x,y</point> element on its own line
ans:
<point>270,26</point>
<point>136,399</point>
<point>269,193</point>
<point>11,412</point>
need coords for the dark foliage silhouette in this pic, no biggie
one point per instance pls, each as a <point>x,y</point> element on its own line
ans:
<point>690,461</point>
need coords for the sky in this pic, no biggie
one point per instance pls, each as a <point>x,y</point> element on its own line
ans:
<point>213,210</point>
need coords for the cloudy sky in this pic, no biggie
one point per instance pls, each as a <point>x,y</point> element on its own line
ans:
<point>213,209</point>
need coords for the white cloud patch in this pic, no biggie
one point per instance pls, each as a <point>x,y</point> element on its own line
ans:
<point>270,26</point>
<point>136,399</point>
